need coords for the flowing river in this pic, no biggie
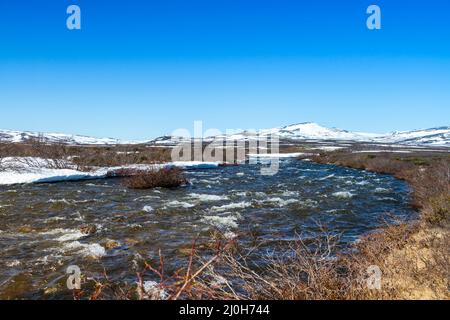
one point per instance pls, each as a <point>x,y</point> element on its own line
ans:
<point>40,224</point>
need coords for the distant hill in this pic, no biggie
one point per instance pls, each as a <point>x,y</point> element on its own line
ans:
<point>439,136</point>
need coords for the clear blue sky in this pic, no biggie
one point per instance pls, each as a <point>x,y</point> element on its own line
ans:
<point>139,69</point>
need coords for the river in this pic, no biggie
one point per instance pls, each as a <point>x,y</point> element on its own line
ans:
<point>40,223</point>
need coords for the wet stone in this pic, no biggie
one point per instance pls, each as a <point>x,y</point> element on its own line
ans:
<point>88,229</point>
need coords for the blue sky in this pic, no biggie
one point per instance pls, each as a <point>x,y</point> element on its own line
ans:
<point>140,69</point>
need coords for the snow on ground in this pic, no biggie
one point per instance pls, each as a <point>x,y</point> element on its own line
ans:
<point>33,170</point>
<point>47,175</point>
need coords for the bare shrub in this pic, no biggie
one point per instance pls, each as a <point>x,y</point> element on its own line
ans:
<point>432,192</point>
<point>414,265</point>
<point>5,151</point>
<point>305,270</point>
<point>37,152</point>
<point>183,283</point>
<point>34,153</point>
<point>51,155</point>
<point>163,178</point>
<point>89,157</point>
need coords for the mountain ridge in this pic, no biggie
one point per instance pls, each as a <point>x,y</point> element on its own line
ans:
<point>438,136</point>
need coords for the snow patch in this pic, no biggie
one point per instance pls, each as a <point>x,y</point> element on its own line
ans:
<point>24,173</point>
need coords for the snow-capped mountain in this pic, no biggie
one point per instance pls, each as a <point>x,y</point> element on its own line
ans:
<point>21,136</point>
<point>301,131</point>
<point>437,137</point>
<point>313,132</point>
<point>432,137</point>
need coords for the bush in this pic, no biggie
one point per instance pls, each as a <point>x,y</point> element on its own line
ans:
<point>436,211</point>
<point>164,178</point>
<point>120,156</point>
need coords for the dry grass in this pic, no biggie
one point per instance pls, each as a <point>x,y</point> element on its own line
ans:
<point>163,178</point>
<point>413,263</point>
<point>35,153</point>
<point>413,266</point>
<point>414,259</point>
<point>120,156</point>
<point>303,271</point>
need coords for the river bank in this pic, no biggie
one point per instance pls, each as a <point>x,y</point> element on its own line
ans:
<point>413,256</point>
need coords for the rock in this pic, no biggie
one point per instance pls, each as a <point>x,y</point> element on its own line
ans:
<point>111,244</point>
<point>50,291</point>
<point>131,242</point>
<point>88,229</point>
<point>119,218</point>
<point>25,229</point>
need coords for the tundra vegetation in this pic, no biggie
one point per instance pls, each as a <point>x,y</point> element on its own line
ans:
<point>84,158</point>
<point>163,178</point>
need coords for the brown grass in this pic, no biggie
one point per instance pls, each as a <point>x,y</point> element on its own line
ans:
<point>120,156</point>
<point>53,156</point>
<point>305,271</point>
<point>83,157</point>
